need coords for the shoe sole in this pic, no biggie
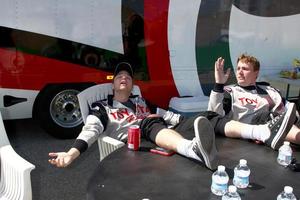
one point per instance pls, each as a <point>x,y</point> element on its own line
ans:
<point>289,120</point>
<point>204,133</point>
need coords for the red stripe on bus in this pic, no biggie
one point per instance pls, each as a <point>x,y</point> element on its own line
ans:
<point>156,40</point>
<point>25,71</point>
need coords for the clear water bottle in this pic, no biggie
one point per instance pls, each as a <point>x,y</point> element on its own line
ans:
<point>287,194</point>
<point>241,174</point>
<point>232,194</point>
<point>219,181</point>
<point>285,154</point>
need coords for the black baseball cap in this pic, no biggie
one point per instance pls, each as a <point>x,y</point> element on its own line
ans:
<point>124,66</point>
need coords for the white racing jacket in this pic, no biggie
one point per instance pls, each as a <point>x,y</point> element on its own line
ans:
<point>245,103</point>
<point>113,118</point>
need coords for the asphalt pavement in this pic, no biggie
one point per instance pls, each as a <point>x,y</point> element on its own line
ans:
<point>49,182</point>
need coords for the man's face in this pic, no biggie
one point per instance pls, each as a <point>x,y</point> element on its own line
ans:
<point>123,82</point>
<point>245,74</point>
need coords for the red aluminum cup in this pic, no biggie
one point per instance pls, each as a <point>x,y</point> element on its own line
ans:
<point>134,137</point>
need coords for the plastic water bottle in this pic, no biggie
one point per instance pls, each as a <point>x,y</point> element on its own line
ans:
<point>219,181</point>
<point>231,194</point>
<point>241,174</point>
<point>285,154</point>
<point>287,194</point>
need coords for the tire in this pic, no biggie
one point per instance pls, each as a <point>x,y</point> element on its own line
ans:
<point>59,112</point>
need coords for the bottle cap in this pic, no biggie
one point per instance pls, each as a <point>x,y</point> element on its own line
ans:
<point>221,168</point>
<point>231,188</point>
<point>288,189</point>
<point>243,162</point>
<point>286,143</point>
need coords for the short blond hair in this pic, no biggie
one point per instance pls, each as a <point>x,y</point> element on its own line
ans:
<point>249,60</point>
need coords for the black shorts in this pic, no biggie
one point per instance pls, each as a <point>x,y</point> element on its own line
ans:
<point>152,125</point>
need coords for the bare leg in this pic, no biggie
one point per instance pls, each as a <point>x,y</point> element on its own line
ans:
<point>168,139</point>
<point>273,133</point>
<point>202,147</point>
<point>233,129</point>
<point>294,135</point>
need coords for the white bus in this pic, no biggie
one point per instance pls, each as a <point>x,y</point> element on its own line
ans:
<point>51,50</point>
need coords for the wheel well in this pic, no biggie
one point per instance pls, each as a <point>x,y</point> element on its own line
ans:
<point>38,100</point>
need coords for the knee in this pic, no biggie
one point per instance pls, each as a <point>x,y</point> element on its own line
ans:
<point>151,126</point>
<point>294,135</point>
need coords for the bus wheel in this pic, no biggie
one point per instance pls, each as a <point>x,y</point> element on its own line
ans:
<point>59,112</point>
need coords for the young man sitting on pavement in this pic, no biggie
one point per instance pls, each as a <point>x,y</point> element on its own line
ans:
<point>252,102</point>
<point>191,137</point>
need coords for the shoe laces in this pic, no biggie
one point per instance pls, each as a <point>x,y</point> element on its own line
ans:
<point>274,119</point>
<point>194,144</point>
<point>195,148</point>
<point>194,141</point>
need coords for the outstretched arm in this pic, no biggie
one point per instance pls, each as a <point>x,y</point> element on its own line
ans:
<point>89,134</point>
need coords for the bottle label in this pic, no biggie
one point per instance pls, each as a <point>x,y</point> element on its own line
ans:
<point>242,180</point>
<point>217,186</point>
<point>284,157</point>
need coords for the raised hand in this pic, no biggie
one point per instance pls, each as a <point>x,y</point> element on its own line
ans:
<point>221,77</point>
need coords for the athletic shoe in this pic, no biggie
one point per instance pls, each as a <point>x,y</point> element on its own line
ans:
<point>204,142</point>
<point>280,126</point>
<point>171,118</point>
